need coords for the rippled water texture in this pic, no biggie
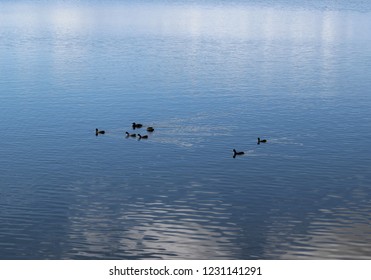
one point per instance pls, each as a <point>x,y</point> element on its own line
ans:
<point>209,77</point>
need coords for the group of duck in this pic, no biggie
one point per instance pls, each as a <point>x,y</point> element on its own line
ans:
<point>151,129</point>
<point>235,153</point>
<point>132,135</point>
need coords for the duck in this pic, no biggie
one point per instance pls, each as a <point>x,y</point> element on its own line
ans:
<point>261,140</point>
<point>150,129</point>
<point>97,131</point>
<point>142,137</point>
<point>130,135</point>
<point>136,125</point>
<point>235,153</point>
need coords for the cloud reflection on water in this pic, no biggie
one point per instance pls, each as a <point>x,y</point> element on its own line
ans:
<point>150,226</point>
<point>234,21</point>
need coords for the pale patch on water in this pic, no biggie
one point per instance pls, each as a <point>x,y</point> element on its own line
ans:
<point>285,141</point>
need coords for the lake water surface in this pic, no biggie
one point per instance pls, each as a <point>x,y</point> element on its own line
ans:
<point>209,76</point>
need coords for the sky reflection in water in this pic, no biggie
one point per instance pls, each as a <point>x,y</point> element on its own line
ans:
<point>210,78</point>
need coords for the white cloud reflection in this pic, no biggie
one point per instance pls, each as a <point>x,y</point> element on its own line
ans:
<point>170,19</point>
<point>325,239</point>
<point>66,24</point>
<point>147,226</point>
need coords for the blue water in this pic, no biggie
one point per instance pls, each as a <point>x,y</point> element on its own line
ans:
<point>209,76</point>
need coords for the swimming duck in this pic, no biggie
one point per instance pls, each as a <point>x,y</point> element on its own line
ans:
<point>136,125</point>
<point>150,129</point>
<point>142,137</point>
<point>130,135</point>
<point>235,153</point>
<point>261,141</point>
<point>97,131</point>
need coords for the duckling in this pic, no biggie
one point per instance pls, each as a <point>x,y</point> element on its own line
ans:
<point>130,135</point>
<point>142,137</point>
<point>235,153</point>
<point>150,129</point>
<point>136,125</point>
<point>261,140</point>
<point>97,131</point>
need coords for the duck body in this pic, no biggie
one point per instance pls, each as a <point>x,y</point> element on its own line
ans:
<point>130,134</point>
<point>97,131</point>
<point>142,136</point>
<point>150,129</point>
<point>261,140</point>
<point>136,125</point>
<point>235,153</point>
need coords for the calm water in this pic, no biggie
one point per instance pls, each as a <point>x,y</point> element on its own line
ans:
<point>210,77</point>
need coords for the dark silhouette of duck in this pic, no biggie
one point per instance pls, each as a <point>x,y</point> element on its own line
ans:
<point>235,153</point>
<point>130,134</point>
<point>150,129</point>
<point>261,140</point>
<point>136,125</point>
<point>142,137</point>
<point>97,131</point>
